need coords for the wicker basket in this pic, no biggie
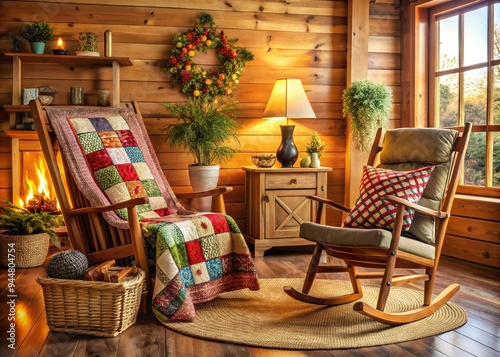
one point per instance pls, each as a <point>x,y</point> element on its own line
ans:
<point>92,307</point>
<point>26,251</point>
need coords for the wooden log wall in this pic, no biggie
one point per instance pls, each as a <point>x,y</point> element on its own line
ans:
<point>302,39</point>
<point>305,40</point>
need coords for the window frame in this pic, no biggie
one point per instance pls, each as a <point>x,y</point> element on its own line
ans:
<point>418,99</point>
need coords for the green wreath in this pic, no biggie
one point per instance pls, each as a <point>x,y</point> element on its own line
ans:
<point>194,80</point>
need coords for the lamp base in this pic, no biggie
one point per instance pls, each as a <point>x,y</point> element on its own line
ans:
<point>287,153</point>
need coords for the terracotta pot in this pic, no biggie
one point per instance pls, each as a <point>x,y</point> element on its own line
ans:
<point>203,178</point>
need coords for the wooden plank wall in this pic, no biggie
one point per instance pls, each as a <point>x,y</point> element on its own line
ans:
<point>303,39</point>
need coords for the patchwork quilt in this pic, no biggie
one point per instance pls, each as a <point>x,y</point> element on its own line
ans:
<point>194,261</point>
<point>193,256</point>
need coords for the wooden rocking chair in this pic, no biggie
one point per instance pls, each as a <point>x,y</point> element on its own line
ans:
<point>407,150</point>
<point>88,230</point>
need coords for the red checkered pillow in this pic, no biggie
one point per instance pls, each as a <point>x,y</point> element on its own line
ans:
<point>371,210</point>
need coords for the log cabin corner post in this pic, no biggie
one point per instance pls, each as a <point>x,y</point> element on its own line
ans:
<point>357,69</point>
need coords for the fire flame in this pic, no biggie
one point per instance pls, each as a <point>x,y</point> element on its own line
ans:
<point>36,185</point>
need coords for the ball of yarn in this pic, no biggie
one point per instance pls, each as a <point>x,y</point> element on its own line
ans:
<point>70,264</point>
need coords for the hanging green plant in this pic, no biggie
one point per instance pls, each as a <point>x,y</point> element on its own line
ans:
<point>368,105</point>
<point>194,80</point>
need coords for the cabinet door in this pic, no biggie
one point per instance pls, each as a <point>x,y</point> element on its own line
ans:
<point>285,210</point>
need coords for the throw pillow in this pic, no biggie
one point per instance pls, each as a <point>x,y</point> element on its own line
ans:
<point>371,210</point>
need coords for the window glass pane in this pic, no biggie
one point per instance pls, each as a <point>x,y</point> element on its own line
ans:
<point>496,95</point>
<point>447,101</point>
<point>474,168</point>
<point>448,43</point>
<point>496,34</point>
<point>496,159</point>
<point>475,96</point>
<point>475,36</point>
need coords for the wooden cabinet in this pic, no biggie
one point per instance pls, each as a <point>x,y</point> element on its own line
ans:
<point>276,205</point>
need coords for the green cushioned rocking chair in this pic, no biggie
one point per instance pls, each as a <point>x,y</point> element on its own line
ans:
<point>399,221</point>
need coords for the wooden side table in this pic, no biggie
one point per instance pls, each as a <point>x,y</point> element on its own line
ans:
<point>276,205</point>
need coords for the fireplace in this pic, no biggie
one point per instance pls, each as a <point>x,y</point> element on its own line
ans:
<point>30,175</point>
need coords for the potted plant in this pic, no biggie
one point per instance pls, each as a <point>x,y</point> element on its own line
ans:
<point>368,105</point>
<point>25,235</point>
<point>205,130</point>
<point>37,34</point>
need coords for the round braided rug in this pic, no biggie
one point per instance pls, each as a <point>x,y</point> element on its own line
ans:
<point>270,318</point>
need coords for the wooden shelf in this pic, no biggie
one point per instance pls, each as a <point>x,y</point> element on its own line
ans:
<point>10,108</point>
<point>69,59</point>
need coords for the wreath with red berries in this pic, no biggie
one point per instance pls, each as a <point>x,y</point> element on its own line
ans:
<point>194,80</point>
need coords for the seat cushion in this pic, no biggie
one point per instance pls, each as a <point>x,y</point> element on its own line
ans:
<point>375,237</point>
<point>372,210</point>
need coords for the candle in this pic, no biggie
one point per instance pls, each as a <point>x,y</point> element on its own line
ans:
<point>60,50</point>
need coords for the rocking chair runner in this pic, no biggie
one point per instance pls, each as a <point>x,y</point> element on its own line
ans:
<point>379,233</point>
<point>114,198</point>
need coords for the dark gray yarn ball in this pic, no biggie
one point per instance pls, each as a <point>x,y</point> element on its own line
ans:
<point>70,264</point>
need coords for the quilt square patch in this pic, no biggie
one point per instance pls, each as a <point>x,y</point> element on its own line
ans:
<point>108,177</point>
<point>126,138</point>
<point>187,276</point>
<point>99,159</point>
<point>101,124</point>
<point>118,155</point>
<point>134,154</point>
<point>200,273</point>
<point>219,222</point>
<point>90,142</point>
<point>214,268</point>
<point>81,125</point>
<point>194,252</point>
<point>135,189</point>
<point>127,172</point>
<point>210,247</point>
<point>109,139</point>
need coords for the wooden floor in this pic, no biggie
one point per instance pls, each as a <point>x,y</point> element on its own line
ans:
<point>479,295</point>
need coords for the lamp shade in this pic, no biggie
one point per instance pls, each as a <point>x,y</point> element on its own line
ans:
<point>288,100</point>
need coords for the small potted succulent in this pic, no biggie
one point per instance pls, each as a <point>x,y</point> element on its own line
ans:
<point>25,235</point>
<point>314,149</point>
<point>37,34</point>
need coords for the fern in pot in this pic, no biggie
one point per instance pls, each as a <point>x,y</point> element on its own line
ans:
<point>25,236</point>
<point>368,105</point>
<point>209,133</point>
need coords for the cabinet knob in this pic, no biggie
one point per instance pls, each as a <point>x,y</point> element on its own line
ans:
<point>265,198</point>
<point>294,181</point>
<point>323,188</point>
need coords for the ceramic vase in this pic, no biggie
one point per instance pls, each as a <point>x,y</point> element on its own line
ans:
<point>287,152</point>
<point>315,160</point>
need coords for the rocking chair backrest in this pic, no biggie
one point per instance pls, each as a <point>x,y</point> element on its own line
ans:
<point>407,149</point>
<point>105,235</point>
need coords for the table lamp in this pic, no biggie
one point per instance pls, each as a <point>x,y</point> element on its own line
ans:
<point>288,100</point>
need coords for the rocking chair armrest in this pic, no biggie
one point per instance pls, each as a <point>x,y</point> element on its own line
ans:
<point>125,204</point>
<point>213,192</point>
<point>416,207</point>
<point>328,202</point>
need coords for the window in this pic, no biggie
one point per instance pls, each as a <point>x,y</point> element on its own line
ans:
<point>464,84</point>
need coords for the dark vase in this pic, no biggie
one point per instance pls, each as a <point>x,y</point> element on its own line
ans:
<point>287,152</point>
